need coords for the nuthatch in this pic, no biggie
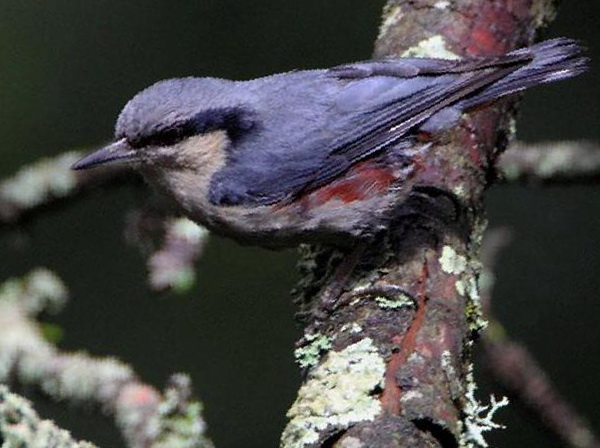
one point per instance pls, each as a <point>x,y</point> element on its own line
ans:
<point>315,155</point>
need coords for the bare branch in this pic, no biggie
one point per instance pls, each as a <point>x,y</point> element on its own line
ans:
<point>171,244</point>
<point>559,162</point>
<point>145,417</point>
<point>47,181</point>
<point>20,426</point>
<point>515,368</point>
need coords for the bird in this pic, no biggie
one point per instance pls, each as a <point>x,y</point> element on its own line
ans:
<point>311,156</point>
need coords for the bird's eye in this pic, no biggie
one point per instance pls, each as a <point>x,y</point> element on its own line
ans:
<point>234,121</point>
<point>163,137</point>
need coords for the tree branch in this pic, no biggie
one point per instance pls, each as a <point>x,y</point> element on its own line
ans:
<point>22,427</point>
<point>515,368</point>
<point>551,162</point>
<point>145,417</point>
<point>51,180</point>
<point>171,244</point>
<point>388,362</point>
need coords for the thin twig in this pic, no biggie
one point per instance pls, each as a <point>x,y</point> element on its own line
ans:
<point>515,368</point>
<point>560,162</point>
<point>51,180</point>
<point>171,245</point>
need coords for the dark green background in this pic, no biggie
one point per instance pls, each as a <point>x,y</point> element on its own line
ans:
<point>66,69</point>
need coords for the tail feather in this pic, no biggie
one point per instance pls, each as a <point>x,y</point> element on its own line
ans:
<point>552,60</point>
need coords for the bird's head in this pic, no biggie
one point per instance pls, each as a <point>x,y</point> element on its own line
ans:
<point>177,123</point>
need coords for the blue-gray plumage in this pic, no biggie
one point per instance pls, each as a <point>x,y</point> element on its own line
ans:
<point>242,157</point>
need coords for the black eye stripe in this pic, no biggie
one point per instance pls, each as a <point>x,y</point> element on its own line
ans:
<point>233,120</point>
<point>163,137</point>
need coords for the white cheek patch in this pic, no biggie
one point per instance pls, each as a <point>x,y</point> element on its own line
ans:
<point>204,153</point>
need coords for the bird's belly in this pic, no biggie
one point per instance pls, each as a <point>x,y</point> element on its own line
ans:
<point>353,206</point>
<point>336,222</point>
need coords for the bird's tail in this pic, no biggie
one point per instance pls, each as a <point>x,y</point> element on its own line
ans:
<point>551,60</point>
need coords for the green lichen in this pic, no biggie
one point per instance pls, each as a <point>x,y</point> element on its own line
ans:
<point>350,442</point>
<point>52,333</point>
<point>433,47</point>
<point>186,229</point>
<point>460,190</point>
<point>355,328</point>
<point>398,300</point>
<point>477,417</point>
<point>543,12</point>
<point>337,393</point>
<point>466,284</point>
<point>309,354</point>
<point>452,262</point>
<point>21,427</point>
<point>181,426</point>
<point>172,267</point>
<point>475,318</point>
<point>392,14</point>
<point>352,328</point>
<point>411,395</point>
<point>543,162</point>
<point>461,288</point>
<point>183,280</point>
<point>401,301</point>
<point>453,379</point>
<point>442,4</point>
<point>474,313</point>
<point>447,366</point>
<point>177,422</point>
<point>512,128</point>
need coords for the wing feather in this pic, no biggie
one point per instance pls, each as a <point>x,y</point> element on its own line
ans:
<point>370,106</point>
<point>316,125</point>
<point>387,125</point>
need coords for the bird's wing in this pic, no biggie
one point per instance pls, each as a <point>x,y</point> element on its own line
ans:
<point>372,106</point>
<point>436,86</point>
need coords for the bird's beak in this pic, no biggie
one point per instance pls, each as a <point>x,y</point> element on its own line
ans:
<point>117,152</point>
